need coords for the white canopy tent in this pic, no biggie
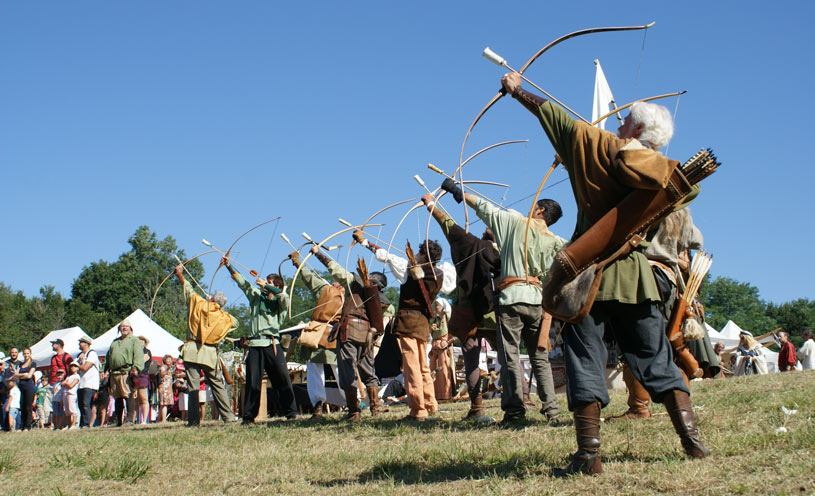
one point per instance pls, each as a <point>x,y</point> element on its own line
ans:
<point>42,352</point>
<point>160,343</point>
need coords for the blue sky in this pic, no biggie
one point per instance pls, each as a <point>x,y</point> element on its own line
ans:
<point>202,119</point>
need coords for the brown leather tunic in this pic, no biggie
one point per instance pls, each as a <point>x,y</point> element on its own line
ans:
<point>412,320</point>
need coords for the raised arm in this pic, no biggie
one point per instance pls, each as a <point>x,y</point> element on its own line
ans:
<point>247,288</point>
<point>335,270</point>
<point>313,282</point>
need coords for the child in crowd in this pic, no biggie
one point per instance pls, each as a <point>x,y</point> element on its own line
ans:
<point>42,389</point>
<point>57,411</point>
<point>69,387</point>
<point>12,406</point>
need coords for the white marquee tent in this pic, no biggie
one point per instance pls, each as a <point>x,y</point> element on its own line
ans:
<point>161,342</point>
<point>42,352</point>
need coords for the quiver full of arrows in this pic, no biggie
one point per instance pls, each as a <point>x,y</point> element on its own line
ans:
<point>682,310</point>
<point>370,296</point>
<point>574,277</point>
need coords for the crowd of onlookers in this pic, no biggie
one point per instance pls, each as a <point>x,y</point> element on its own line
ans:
<point>74,392</point>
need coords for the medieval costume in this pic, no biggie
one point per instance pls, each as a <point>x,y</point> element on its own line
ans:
<point>603,170</point>
<point>472,318</point>
<point>520,313</point>
<point>441,352</point>
<point>327,312</point>
<point>419,286</point>
<point>786,357</point>
<point>750,358</point>
<point>355,337</point>
<point>267,310</point>
<point>207,325</point>
<point>673,236</point>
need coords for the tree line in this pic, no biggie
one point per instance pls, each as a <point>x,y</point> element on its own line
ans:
<point>105,292</point>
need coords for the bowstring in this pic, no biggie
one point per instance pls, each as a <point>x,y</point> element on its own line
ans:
<point>676,111</point>
<point>639,66</point>
<point>276,224</point>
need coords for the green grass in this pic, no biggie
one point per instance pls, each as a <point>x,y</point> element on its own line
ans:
<point>737,418</point>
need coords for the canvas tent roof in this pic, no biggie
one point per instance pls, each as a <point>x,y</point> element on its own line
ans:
<point>42,352</point>
<point>161,342</point>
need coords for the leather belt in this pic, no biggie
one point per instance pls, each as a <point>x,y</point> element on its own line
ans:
<point>512,281</point>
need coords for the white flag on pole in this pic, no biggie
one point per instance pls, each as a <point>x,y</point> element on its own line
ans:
<point>602,96</point>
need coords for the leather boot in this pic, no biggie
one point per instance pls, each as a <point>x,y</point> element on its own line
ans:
<point>377,408</point>
<point>638,399</point>
<point>318,411</point>
<point>476,408</point>
<point>680,409</point>
<point>352,402</point>
<point>587,429</point>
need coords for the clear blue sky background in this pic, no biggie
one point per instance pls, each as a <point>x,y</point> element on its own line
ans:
<point>202,119</point>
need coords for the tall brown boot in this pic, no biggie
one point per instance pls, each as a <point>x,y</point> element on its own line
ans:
<point>680,409</point>
<point>638,399</point>
<point>352,402</point>
<point>476,408</point>
<point>318,411</point>
<point>587,429</point>
<point>377,408</point>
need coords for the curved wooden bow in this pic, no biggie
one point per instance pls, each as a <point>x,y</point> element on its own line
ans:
<point>171,274</point>
<point>221,263</point>
<point>523,69</point>
<point>318,245</point>
<point>362,228</point>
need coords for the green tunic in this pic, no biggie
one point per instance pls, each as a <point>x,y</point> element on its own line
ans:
<point>267,315</point>
<point>629,279</point>
<point>510,232</point>
<point>125,354</point>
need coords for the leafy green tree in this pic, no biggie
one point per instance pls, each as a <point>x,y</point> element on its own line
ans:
<point>794,317</point>
<point>104,293</point>
<point>13,309</point>
<point>727,299</point>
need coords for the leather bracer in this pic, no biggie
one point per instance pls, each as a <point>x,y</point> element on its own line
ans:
<point>529,100</point>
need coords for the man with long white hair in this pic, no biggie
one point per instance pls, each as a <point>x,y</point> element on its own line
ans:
<point>603,170</point>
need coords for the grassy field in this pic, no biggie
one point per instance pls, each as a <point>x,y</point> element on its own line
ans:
<point>738,419</point>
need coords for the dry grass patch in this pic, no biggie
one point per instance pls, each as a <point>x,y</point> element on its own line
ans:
<point>737,418</point>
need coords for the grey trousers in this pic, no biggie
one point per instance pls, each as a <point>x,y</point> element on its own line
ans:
<point>523,321</point>
<point>216,384</point>
<point>352,358</point>
<point>640,334</point>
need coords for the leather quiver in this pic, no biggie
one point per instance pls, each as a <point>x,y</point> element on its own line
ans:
<point>571,285</point>
<point>373,307</point>
<point>633,216</point>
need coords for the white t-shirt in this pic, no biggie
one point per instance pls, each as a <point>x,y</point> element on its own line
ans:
<point>90,378</point>
<point>67,390</point>
<point>14,398</point>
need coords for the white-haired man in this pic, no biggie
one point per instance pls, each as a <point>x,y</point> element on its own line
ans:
<point>603,169</point>
<point>207,324</point>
